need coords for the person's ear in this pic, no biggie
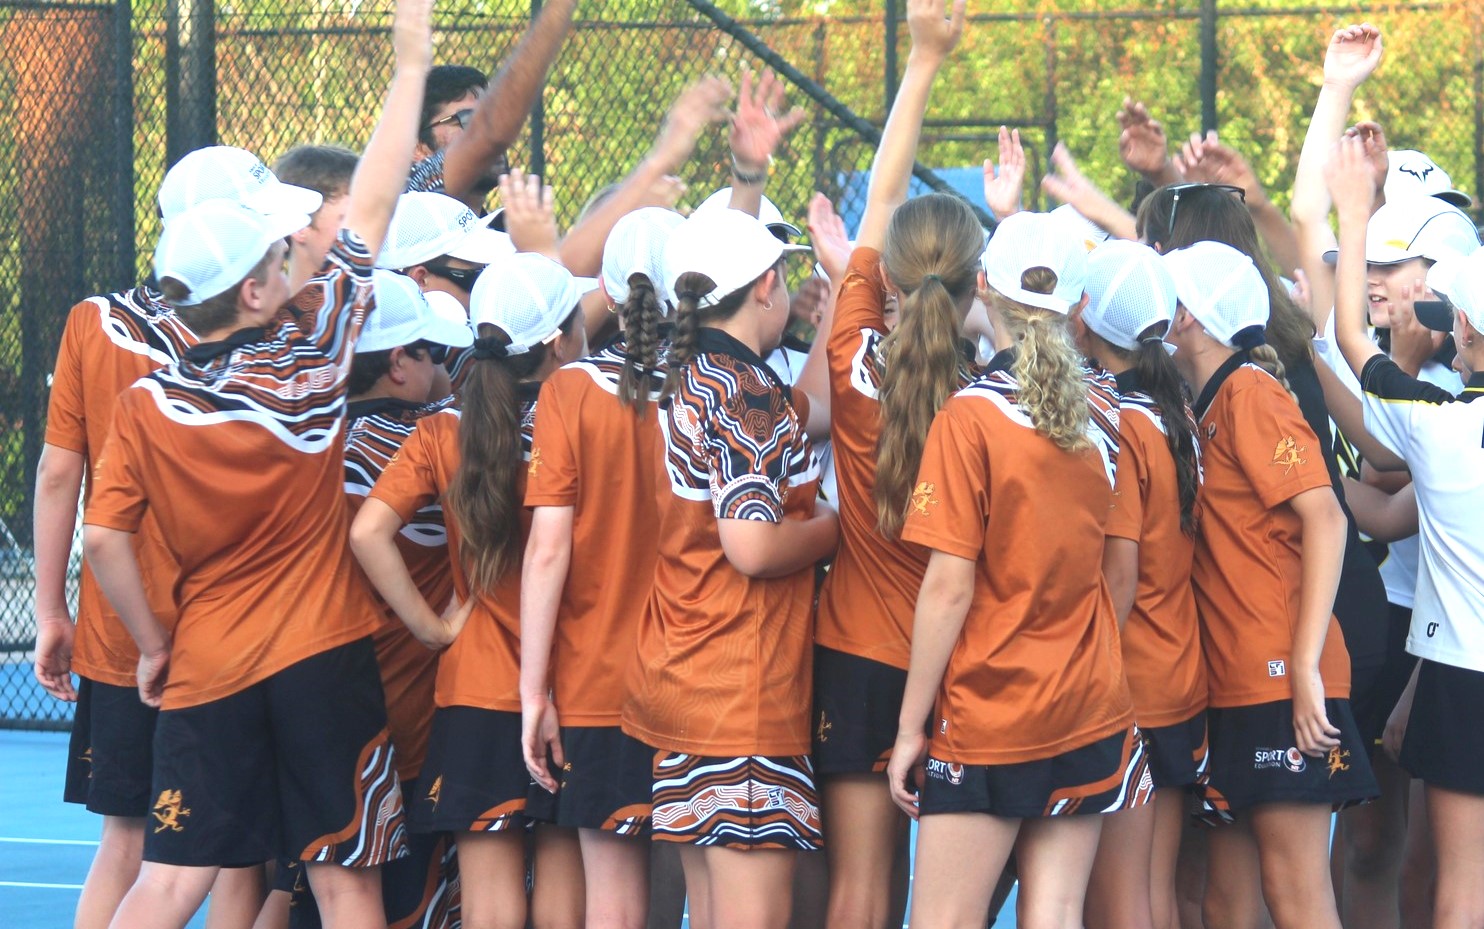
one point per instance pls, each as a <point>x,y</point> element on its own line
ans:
<point>250,294</point>
<point>762,291</point>
<point>397,366</point>
<point>981,281</point>
<point>420,152</point>
<point>419,274</point>
<point>1081,305</point>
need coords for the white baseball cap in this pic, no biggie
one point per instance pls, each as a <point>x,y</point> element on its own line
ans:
<point>1415,226</point>
<point>221,172</point>
<point>637,246</point>
<point>1128,290</point>
<point>1092,234</point>
<point>728,246</point>
<point>1459,281</point>
<point>1036,240</point>
<point>1221,288</point>
<point>213,247</point>
<point>1409,173</point>
<point>429,225</point>
<point>528,296</point>
<point>404,314</point>
<point>767,212</point>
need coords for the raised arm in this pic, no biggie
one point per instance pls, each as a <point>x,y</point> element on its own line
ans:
<point>1206,159</point>
<point>1348,175</point>
<point>759,126</point>
<point>933,39</point>
<point>382,173</point>
<point>1002,185</point>
<point>502,111</point>
<point>1143,146</point>
<point>1067,184</point>
<point>832,251</point>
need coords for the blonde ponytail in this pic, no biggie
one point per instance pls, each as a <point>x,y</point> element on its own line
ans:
<point>1048,366</point>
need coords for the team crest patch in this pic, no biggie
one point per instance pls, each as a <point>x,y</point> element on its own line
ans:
<point>535,462</point>
<point>436,790</point>
<point>1288,454</point>
<point>1336,762</point>
<point>822,732</point>
<point>169,811</point>
<point>922,498</point>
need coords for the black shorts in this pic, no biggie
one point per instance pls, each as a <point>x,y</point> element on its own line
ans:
<point>1109,775</point>
<point>298,765</point>
<point>415,890</point>
<point>1177,754</point>
<point>1373,698</point>
<point>1444,745</point>
<point>856,705</point>
<point>474,778</point>
<point>749,802</point>
<point>1254,761</point>
<point>605,785</point>
<point>111,753</point>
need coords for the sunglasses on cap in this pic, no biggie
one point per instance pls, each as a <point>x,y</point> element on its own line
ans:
<point>462,117</point>
<point>1176,190</point>
<point>463,278</point>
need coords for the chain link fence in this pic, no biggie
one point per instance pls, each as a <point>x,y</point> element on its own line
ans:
<point>103,95</point>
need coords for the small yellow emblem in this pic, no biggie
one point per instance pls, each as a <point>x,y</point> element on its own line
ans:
<point>168,811</point>
<point>922,498</point>
<point>1289,454</point>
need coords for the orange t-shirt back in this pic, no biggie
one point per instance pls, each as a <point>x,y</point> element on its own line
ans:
<point>1258,454</point>
<point>1037,669</point>
<point>109,343</point>
<point>597,456</point>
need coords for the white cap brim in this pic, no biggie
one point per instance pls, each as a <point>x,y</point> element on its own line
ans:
<point>278,197</point>
<point>483,246</point>
<point>1031,298</point>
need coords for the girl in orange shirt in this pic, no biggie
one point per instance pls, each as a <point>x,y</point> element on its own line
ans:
<point>1146,559</point>
<point>1284,747</point>
<point>525,312</point>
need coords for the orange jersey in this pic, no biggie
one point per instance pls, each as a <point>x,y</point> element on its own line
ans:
<point>109,343</point>
<point>237,451</point>
<point>866,605</point>
<point>1162,636</point>
<point>377,429</point>
<point>1258,454</point>
<point>724,659</point>
<point>596,455</point>
<point>482,667</point>
<point>1037,669</point>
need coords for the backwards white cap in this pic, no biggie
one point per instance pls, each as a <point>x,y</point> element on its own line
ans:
<point>221,172</point>
<point>1036,240</point>
<point>728,246</point>
<point>214,246</point>
<point>637,246</point>
<point>404,314</point>
<point>1458,279</point>
<point>528,296</point>
<point>1128,290</point>
<point>767,212</point>
<point>1221,288</point>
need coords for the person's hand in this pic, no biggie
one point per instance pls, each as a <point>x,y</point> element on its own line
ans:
<point>54,635</point>
<point>1352,55</point>
<point>807,303</point>
<point>1396,726</point>
<point>699,106</point>
<point>827,234</point>
<point>1301,292</point>
<point>442,630</point>
<point>906,770</point>
<point>1206,160</point>
<point>153,671</point>
<point>1312,731</point>
<point>412,35</point>
<point>1348,175</point>
<point>1141,140</point>
<point>1066,183</point>
<point>1412,343</point>
<point>530,214</point>
<point>665,192</point>
<point>1376,149</point>
<point>933,34</point>
<point>761,122</point>
<point>1002,188</point>
<point>540,736</point>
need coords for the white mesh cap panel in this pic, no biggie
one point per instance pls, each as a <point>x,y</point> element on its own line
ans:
<point>1128,290</point>
<point>214,246</point>
<point>527,295</point>
<point>1220,286</point>
<point>425,226</point>
<point>637,246</point>
<point>221,172</point>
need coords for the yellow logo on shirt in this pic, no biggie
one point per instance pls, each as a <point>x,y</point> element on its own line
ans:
<point>922,498</point>
<point>1336,761</point>
<point>436,790</point>
<point>168,811</point>
<point>535,462</point>
<point>1289,454</point>
<point>822,733</point>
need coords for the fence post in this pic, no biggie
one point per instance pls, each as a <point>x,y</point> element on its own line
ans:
<point>190,77</point>
<point>123,133</point>
<point>1209,62</point>
<point>889,68</point>
<point>1478,28</point>
<point>538,118</point>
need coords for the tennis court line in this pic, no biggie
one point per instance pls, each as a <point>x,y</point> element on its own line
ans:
<point>30,885</point>
<point>20,841</point>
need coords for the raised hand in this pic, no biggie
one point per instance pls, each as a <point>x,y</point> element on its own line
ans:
<point>1352,55</point>
<point>1002,188</point>
<point>1206,160</point>
<point>1348,175</point>
<point>412,34</point>
<point>1141,141</point>
<point>827,234</point>
<point>1374,138</point>
<point>530,216</point>
<point>700,105</point>
<point>760,122</point>
<point>932,33</point>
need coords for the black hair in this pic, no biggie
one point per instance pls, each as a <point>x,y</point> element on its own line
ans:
<point>366,368</point>
<point>445,84</point>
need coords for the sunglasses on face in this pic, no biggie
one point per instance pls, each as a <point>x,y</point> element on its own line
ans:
<point>463,278</point>
<point>1179,189</point>
<point>462,117</point>
<point>437,354</point>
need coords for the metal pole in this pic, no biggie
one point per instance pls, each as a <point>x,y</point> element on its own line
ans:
<point>890,73</point>
<point>538,117</point>
<point>1478,22</point>
<point>190,76</point>
<point>1209,63</point>
<point>124,270</point>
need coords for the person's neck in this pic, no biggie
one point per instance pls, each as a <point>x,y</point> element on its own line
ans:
<point>378,391</point>
<point>1113,364</point>
<point>744,328</point>
<point>1202,364</point>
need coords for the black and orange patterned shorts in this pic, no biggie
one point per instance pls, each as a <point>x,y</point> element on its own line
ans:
<point>750,802</point>
<point>474,778</point>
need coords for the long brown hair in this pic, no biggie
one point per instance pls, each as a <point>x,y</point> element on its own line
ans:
<point>640,315</point>
<point>482,498</point>
<point>1215,215</point>
<point>1048,366</point>
<point>932,257</point>
<point>690,287</point>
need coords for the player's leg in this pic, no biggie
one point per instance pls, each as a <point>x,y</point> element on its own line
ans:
<point>558,895</point>
<point>1055,856</point>
<point>1371,840</point>
<point>236,898</point>
<point>863,831</point>
<point>492,879</point>
<point>616,870</point>
<point>113,871</point>
<point>951,888</point>
<point>1293,848</point>
<point>1118,888</point>
<point>1457,821</point>
<point>1233,898</point>
<point>1171,827</point>
<point>748,888</point>
<point>347,897</point>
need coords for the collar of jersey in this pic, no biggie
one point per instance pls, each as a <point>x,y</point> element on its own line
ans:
<point>1003,360</point>
<point>1474,389</point>
<point>719,342</point>
<point>209,351</point>
<point>1128,381</point>
<point>1203,402</point>
<point>373,406</point>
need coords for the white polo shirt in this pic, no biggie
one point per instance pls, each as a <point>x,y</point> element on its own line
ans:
<point>1441,438</point>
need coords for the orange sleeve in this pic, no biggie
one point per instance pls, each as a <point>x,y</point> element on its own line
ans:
<point>552,476</point>
<point>859,323</point>
<point>66,415</point>
<point>949,507</point>
<point>1277,451</point>
<point>1131,486</point>
<point>117,500</point>
<point>408,482</point>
